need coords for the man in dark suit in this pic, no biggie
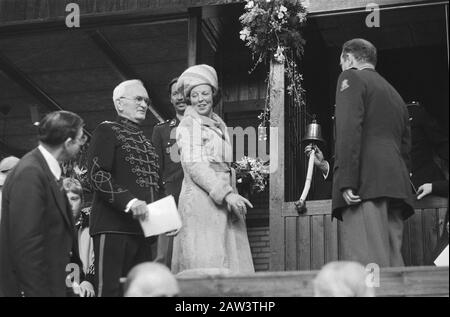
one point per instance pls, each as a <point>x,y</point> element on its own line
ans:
<point>164,140</point>
<point>123,169</point>
<point>37,237</point>
<point>428,139</point>
<point>372,193</point>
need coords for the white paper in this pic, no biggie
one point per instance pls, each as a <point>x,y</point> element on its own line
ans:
<point>162,217</point>
<point>442,259</point>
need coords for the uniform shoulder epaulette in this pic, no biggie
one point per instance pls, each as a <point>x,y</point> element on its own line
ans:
<point>161,123</point>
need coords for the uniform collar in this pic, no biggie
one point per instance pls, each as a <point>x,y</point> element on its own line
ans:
<point>128,123</point>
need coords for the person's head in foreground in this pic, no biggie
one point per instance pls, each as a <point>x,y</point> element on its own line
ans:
<point>150,280</point>
<point>74,193</point>
<point>342,279</point>
<point>6,165</point>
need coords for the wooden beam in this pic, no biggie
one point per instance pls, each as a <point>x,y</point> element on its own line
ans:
<point>120,65</point>
<point>22,79</point>
<point>113,56</point>
<point>277,184</point>
<point>19,77</point>
<point>319,7</point>
<point>323,207</point>
<point>212,34</point>
<point>399,281</point>
<point>194,28</point>
<point>92,21</point>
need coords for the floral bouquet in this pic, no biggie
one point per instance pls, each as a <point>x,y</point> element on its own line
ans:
<point>270,26</point>
<point>77,168</point>
<point>251,175</point>
<point>272,29</point>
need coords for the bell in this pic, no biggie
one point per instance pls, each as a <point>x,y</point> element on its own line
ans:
<point>313,133</point>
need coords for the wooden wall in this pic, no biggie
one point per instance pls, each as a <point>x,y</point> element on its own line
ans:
<point>20,10</point>
<point>404,282</point>
<point>313,239</point>
<point>70,68</point>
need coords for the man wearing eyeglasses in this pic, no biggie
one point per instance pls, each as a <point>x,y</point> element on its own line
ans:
<point>164,139</point>
<point>123,169</point>
<point>37,233</point>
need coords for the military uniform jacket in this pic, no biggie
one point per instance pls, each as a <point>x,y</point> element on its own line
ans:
<point>122,165</point>
<point>372,140</point>
<point>164,140</point>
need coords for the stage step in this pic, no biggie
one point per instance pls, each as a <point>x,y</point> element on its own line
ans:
<point>404,281</point>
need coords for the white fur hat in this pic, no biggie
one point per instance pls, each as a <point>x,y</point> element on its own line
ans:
<point>197,75</point>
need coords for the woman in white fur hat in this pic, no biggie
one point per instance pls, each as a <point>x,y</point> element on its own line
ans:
<point>213,238</point>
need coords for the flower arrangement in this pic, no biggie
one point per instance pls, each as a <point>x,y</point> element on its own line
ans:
<point>272,30</point>
<point>77,168</point>
<point>251,174</point>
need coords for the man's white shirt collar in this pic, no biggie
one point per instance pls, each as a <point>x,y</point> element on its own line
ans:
<point>51,162</point>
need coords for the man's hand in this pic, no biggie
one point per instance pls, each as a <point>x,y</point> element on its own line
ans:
<point>139,209</point>
<point>319,159</point>
<point>350,198</point>
<point>173,233</point>
<point>424,190</point>
<point>85,289</point>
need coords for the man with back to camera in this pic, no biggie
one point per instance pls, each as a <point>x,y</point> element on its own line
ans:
<point>372,193</point>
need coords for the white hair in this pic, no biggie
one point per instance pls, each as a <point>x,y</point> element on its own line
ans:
<point>150,279</point>
<point>342,279</point>
<point>121,88</point>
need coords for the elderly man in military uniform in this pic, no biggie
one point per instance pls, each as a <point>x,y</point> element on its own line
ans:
<point>123,170</point>
<point>372,193</point>
<point>164,140</point>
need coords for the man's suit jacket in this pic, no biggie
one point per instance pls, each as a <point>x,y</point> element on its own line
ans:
<point>163,138</point>
<point>36,232</point>
<point>428,139</point>
<point>372,140</point>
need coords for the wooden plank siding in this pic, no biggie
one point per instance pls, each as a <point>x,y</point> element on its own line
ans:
<point>409,281</point>
<point>312,239</point>
<point>19,10</point>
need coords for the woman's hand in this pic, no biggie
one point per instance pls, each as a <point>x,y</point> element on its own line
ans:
<point>238,204</point>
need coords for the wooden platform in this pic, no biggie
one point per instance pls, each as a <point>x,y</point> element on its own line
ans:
<point>405,281</point>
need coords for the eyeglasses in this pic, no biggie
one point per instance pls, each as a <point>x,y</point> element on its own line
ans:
<point>137,100</point>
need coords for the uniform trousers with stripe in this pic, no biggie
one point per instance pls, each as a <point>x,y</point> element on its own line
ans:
<point>372,232</point>
<point>115,255</point>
